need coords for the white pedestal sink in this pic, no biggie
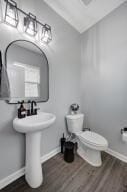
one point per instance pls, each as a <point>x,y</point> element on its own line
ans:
<point>32,126</point>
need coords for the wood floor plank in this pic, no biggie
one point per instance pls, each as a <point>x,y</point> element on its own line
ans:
<point>78,176</point>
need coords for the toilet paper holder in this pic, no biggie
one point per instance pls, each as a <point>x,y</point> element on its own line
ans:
<point>123,130</point>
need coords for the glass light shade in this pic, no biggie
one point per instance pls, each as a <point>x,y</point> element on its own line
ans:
<point>30,24</point>
<point>46,35</point>
<point>11,13</point>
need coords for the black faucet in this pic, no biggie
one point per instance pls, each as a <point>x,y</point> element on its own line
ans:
<point>33,111</point>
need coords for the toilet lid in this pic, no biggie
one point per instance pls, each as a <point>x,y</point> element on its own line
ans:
<point>93,138</point>
<point>75,116</point>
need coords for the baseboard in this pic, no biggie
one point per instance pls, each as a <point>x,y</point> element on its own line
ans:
<point>117,155</point>
<point>9,179</point>
<point>50,154</point>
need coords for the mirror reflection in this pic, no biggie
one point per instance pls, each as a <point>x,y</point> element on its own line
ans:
<point>28,73</point>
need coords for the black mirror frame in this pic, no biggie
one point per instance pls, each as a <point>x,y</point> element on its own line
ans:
<point>47,67</point>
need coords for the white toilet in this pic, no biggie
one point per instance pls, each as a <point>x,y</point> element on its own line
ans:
<point>90,144</point>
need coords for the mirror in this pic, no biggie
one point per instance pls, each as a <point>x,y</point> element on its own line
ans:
<point>28,72</point>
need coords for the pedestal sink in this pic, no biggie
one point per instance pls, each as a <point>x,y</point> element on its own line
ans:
<point>32,126</point>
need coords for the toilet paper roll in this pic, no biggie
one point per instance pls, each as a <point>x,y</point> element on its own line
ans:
<point>124,136</point>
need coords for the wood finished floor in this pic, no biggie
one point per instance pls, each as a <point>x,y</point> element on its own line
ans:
<point>78,176</point>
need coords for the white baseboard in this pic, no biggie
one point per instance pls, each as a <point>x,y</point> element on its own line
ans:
<point>117,155</point>
<point>9,179</point>
<point>50,154</point>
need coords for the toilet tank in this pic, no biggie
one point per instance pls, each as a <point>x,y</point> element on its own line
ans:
<point>75,122</point>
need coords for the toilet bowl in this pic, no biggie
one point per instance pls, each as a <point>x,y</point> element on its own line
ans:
<point>90,144</point>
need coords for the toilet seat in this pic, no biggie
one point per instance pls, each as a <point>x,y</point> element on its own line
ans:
<point>92,138</point>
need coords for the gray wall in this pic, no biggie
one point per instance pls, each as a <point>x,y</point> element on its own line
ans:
<point>103,81</point>
<point>104,77</point>
<point>64,63</point>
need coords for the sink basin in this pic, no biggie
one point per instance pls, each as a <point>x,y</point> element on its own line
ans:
<point>34,123</point>
<point>33,126</point>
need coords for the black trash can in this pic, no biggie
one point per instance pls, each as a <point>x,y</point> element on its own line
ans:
<point>69,152</point>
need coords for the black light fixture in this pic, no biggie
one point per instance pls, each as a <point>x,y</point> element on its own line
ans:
<point>30,24</point>
<point>46,35</point>
<point>11,13</point>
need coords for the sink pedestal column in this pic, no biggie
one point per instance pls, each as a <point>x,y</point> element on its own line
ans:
<point>33,172</point>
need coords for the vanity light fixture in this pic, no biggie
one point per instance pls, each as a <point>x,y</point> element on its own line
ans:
<point>11,13</point>
<point>46,35</point>
<point>30,24</point>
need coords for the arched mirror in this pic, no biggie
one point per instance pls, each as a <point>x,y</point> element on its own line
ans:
<point>28,72</point>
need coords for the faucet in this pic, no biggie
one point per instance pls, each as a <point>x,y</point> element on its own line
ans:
<point>33,111</point>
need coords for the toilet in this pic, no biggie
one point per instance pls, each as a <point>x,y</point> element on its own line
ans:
<point>90,144</point>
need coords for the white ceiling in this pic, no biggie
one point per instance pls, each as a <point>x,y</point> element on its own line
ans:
<point>82,14</point>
